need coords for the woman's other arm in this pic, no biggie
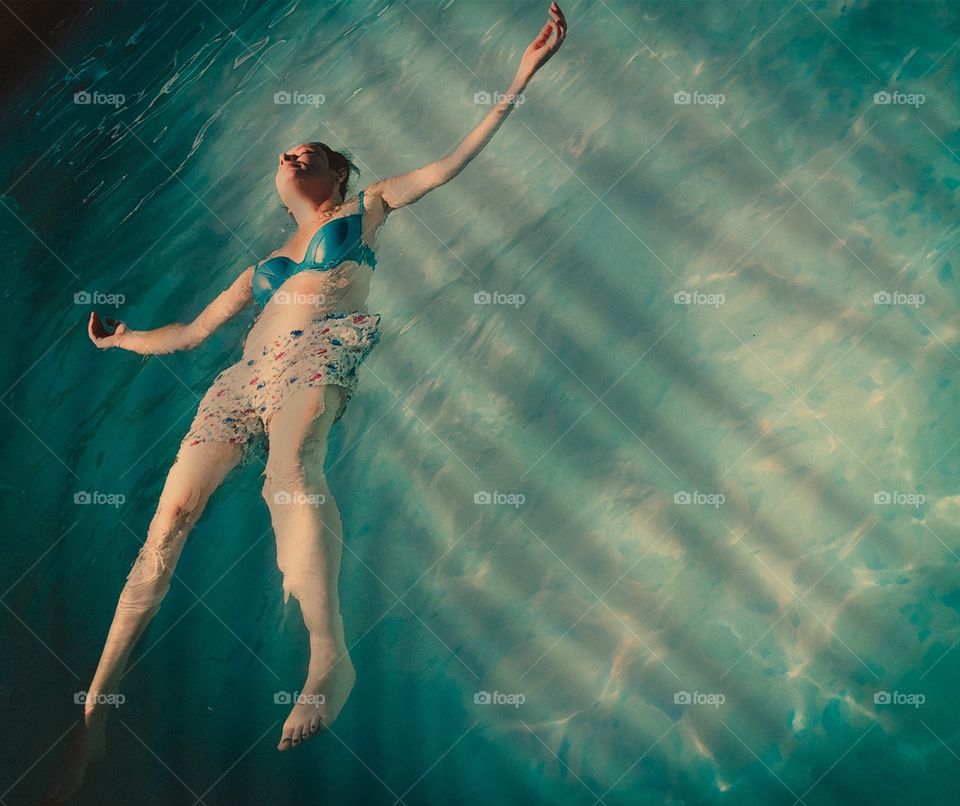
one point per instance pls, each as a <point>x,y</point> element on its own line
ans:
<point>407,188</point>
<point>173,337</point>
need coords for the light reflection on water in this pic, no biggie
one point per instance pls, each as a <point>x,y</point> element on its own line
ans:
<point>716,570</point>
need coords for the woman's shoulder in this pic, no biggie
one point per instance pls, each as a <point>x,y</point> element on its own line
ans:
<point>374,210</point>
<point>374,205</point>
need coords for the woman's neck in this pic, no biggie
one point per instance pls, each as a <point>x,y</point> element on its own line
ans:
<point>309,214</point>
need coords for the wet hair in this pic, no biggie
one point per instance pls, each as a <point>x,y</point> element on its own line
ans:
<point>339,161</point>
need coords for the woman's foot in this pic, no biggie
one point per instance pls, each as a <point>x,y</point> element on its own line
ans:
<point>87,744</point>
<point>329,681</point>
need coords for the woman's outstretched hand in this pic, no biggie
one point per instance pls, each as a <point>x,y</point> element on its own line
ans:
<point>547,43</point>
<point>102,337</point>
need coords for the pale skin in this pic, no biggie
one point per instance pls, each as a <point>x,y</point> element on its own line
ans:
<point>309,536</point>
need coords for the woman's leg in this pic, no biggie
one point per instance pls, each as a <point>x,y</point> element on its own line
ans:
<point>309,537</point>
<point>196,472</point>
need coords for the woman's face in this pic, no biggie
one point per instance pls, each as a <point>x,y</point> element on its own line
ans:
<point>304,170</point>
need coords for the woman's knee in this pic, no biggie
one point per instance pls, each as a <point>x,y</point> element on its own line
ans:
<point>196,472</point>
<point>296,457</point>
<point>149,580</point>
<point>294,482</point>
<point>177,512</point>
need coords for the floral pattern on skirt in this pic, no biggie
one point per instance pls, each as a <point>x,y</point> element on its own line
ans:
<point>243,398</point>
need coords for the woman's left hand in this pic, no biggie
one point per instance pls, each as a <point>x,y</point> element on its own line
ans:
<point>547,43</point>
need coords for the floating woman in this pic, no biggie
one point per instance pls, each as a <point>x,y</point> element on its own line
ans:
<point>297,373</point>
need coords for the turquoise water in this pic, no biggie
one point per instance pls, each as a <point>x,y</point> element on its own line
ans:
<point>721,564</point>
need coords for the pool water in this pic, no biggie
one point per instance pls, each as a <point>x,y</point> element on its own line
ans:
<point>649,490</point>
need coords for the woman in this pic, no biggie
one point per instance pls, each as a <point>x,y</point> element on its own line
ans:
<point>297,374</point>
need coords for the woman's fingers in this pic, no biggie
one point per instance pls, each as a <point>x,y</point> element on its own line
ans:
<point>97,329</point>
<point>557,14</point>
<point>100,334</point>
<point>558,26</point>
<point>543,36</point>
<point>546,43</point>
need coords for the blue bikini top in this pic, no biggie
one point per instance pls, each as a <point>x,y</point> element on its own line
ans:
<point>335,242</point>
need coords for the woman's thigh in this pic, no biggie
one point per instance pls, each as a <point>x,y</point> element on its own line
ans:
<point>226,412</point>
<point>196,472</point>
<point>297,433</point>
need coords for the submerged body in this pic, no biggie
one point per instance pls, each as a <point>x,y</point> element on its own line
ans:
<point>313,329</point>
<point>296,374</point>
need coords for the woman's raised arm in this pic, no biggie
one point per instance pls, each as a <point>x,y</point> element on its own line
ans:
<point>407,188</point>
<point>170,338</point>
